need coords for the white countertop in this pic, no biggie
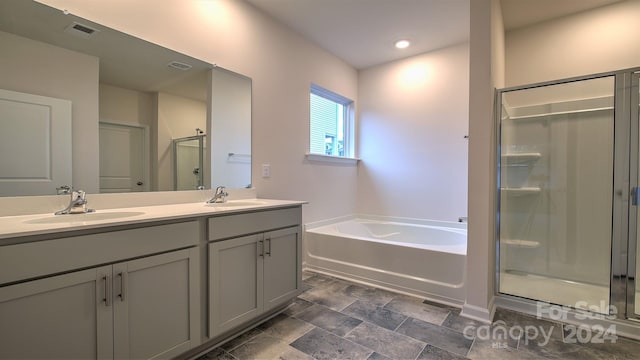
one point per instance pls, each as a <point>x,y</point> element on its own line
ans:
<point>48,223</point>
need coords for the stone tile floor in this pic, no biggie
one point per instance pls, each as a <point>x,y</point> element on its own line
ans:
<point>336,319</point>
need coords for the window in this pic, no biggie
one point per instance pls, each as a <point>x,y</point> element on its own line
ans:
<point>331,124</point>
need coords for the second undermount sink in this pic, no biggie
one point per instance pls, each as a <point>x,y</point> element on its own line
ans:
<point>74,218</point>
<point>236,203</point>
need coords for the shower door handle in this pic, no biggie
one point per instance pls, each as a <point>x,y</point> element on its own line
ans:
<point>635,196</point>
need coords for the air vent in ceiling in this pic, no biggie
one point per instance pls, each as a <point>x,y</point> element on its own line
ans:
<point>178,65</point>
<point>80,30</point>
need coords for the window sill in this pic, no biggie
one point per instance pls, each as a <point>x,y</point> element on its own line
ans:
<point>332,159</point>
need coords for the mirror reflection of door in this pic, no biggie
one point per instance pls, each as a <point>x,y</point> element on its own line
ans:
<point>35,144</point>
<point>121,158</point>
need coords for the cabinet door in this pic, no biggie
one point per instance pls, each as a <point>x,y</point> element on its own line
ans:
<point>235,282</point>
<point>155,305</point>
<point>282,274</point>
<point>63,317</point>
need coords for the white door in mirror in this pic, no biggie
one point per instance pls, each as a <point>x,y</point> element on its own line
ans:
<point>121,153</point>
<point>35,144</point>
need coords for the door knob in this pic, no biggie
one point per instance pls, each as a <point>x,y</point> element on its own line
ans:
<point>139,183</point>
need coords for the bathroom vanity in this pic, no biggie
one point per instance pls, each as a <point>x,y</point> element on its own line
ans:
<point>254,265</point>
<point>146,282</point>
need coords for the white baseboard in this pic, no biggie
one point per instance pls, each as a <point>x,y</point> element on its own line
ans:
<point>479,313</point>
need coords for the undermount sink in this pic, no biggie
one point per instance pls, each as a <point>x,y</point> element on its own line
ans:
<point>72,218</point>
<point>236,203</point>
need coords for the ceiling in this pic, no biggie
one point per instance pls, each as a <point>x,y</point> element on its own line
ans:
<point>363,32</point>
<point>521,13</point>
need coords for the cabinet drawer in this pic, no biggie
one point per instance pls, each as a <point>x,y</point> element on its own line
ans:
<point>41,258</point>
<point>224,227</point>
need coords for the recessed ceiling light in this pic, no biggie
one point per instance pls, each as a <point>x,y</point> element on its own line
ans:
<point>401,44</point>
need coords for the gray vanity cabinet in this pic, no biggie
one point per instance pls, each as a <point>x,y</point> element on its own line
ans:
<point>282,260</point>
<point>235,282</point>
<point>138,309</point>
<point>146,307</point>
<point>153,298</point>
<point>252,274</point>
<point>60,317</point>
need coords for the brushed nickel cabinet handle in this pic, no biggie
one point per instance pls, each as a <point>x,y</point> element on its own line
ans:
<point>107,292</point>
<point>261,250</point>
<point>122,286</point>
<point>268,241</point>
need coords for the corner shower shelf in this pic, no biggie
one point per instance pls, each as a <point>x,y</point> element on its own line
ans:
<point>520,243</point>
<point>520,158</point>
<point>523,191</point>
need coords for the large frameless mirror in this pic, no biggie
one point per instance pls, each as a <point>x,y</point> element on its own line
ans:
<point>88,106</point>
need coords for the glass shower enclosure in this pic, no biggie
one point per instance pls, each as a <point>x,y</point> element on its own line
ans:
<point>188,162</point>
<point>567,179</point>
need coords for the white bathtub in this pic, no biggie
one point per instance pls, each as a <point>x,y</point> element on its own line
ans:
<point>419,257</point>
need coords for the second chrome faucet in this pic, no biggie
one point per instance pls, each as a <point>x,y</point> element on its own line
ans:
<point>220,196</point>
<point>77,202</point>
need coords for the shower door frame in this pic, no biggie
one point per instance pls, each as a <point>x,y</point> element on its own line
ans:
<point>631,107</point>
<point>201,144</point>
<point>626,158</point>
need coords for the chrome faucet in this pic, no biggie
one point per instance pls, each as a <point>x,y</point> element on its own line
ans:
<point>77,203</point>
<point>220,195</point>
<point>63,190</point>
